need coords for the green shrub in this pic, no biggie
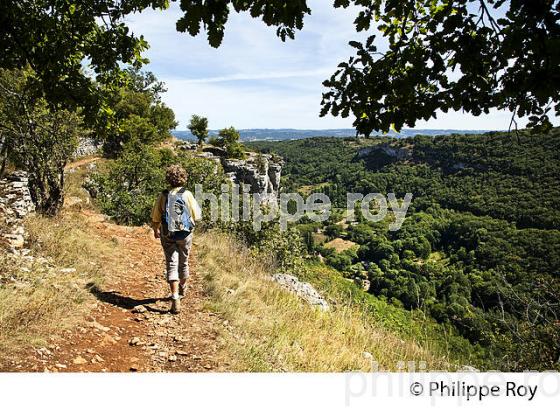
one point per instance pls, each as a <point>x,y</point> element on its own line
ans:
<point>129,189</point>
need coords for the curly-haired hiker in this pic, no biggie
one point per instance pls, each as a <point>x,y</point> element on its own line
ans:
<point>173,219</point>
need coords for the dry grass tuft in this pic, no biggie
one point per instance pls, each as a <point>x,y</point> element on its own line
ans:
<point>274,331</point>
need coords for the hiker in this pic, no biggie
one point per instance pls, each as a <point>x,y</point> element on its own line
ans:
<point>173,219</point>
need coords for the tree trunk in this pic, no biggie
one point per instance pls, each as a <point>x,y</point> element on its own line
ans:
<point>47,190</point>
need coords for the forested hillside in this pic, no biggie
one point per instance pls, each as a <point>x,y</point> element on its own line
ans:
<point>480,247</point>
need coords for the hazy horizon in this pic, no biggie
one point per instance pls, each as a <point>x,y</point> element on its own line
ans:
<point>279,134</point>
<point>347,129</point>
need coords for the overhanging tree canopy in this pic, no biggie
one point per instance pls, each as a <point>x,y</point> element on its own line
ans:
<point>55,37</point>
<point>470,55</point>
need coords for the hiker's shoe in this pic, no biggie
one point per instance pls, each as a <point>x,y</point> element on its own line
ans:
<point>182,290</point>
<point>175,305</point>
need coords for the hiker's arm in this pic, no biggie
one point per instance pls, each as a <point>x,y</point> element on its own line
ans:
<point>194,207</point>
<point>156,217</point>
<point>155,227</point>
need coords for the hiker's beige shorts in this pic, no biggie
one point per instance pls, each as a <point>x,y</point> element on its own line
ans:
<point>176,257</point>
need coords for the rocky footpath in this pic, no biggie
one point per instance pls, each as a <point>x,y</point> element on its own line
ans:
<point>127,326</point>
<point>15,204</point>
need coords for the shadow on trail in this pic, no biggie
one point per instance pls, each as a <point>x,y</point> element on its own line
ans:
<point>125,302</point>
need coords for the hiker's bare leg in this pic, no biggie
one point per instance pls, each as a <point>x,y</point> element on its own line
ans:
<point>175,301</point>
<point>174,286</point>
<point>183,248</point>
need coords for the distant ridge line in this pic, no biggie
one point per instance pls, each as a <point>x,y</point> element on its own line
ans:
<point>275,134</point>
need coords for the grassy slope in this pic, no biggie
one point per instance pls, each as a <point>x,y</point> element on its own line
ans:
<point>441,340</point>
<point>274,331</point>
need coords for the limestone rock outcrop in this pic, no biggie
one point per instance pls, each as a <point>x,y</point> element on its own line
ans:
<point>302,289</point>
<point>398,153</point>
<point>86,146</point>
<point>262,172</point>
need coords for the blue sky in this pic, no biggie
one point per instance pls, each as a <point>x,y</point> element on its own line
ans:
<point>254,80</point>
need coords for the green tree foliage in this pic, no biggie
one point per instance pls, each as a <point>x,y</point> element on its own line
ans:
<point>198,127</point>
<point>333,231</point>
<point>213,16</point>
<point>36,138</point>
<point>480,247</point>
<point>137,114</point>
<point>360,233</point>
<point>54,38</point>
<point>229,140</point>
<point>283,250</point>
<point>128,189</point>
<point>340,261</point>
<point>469,55</point>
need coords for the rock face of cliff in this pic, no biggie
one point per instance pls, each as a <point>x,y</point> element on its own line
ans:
<point>262,172</point>
<point>391,151</point>
<point>15,204</point>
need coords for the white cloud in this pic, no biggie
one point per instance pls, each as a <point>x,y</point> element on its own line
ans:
<point>256,76</point>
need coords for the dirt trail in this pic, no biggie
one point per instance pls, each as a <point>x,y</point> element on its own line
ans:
<point>83,161</point>
<point>130,328</point>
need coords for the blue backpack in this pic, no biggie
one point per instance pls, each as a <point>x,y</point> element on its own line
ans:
<point>177,220</point>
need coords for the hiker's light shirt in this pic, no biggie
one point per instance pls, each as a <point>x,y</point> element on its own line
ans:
<point>159,207</point>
